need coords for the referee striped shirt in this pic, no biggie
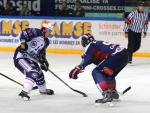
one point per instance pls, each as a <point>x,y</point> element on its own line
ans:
<point>136,22</point>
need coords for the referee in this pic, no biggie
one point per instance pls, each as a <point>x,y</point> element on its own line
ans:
<point>135,24</point>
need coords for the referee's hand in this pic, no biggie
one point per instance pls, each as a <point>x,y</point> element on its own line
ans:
<point>144,35</point>
<point>126,34</point>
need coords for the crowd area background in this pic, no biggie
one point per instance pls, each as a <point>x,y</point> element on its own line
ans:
<point>70,8</point>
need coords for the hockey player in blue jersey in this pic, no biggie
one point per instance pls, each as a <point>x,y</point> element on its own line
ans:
<point>31,52</point>
<point>109,59</point>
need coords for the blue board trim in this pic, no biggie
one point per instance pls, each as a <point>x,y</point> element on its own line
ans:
<point>62,18</point>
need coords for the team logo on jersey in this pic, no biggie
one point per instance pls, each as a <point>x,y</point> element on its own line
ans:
<point>33,44</point>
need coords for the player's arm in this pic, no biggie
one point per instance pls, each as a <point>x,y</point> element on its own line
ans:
<point>43,60</point>
<point>145,28</point>
<point>87,59</point>
<point>42,56</point>
<point>46,42</point>
<point>23,45</point>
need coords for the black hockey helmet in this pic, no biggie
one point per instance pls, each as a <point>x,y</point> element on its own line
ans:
<point>86,39</point>
<point>140,3</point>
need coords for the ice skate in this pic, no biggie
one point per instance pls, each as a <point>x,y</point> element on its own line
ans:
<point>106,97</point>
<point>24,95</point>
<point>114,94</point>
<point>48,92</point>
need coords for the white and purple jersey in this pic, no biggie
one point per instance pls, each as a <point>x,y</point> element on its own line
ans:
<point>35,44</point>
<point>97,51</point>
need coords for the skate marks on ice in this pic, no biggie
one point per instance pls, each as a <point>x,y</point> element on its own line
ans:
<point>58,103</point>
<point>66,103</point>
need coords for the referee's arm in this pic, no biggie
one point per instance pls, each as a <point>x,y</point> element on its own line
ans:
<point>145,28</point>
<point>127,23</point>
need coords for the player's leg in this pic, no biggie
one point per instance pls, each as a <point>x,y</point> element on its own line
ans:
<point>106,72</point>
<point>26,67</point>
<point>113,64</point>
<point>103,86</point>
<point>112,87</point>
<point>40,82</point>
<point>106,85</point>
<point>33,75</point>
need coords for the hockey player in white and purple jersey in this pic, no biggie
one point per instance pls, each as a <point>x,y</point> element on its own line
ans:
<point>31,52</point>
<point>109,59</point>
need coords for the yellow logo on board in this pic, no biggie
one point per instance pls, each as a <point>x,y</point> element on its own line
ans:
<point>61,30</point>
<point>12,28</point>
<point>70,29</point>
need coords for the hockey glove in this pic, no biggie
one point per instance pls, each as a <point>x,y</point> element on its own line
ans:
<point>44,64</point>
<point>74,72</point>
<point>21,50</point>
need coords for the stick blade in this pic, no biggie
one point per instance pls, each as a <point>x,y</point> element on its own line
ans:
<point>84,95</point>
<point>126,90</point>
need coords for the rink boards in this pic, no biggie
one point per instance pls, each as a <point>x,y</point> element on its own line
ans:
<point>66,35</point>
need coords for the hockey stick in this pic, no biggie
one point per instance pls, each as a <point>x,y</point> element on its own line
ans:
<point>37,61</point>
<point>84,95</point>
<point>125,90</point>
<point>16,81</point>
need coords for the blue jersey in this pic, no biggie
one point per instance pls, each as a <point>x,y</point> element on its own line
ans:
<point>35,43</point>
<point>97,51</point>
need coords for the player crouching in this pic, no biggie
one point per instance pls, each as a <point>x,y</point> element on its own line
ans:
<point>30,58</point>
<point>109,59</point>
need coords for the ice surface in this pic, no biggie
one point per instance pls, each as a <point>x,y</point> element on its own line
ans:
<point>137,100</point>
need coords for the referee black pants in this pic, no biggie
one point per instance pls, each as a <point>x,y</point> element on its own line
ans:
<point>134,43</point>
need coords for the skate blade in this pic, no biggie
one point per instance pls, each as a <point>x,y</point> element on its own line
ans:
<point>24,98</point>
<point>116,100</point>
<point>107,104</point>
